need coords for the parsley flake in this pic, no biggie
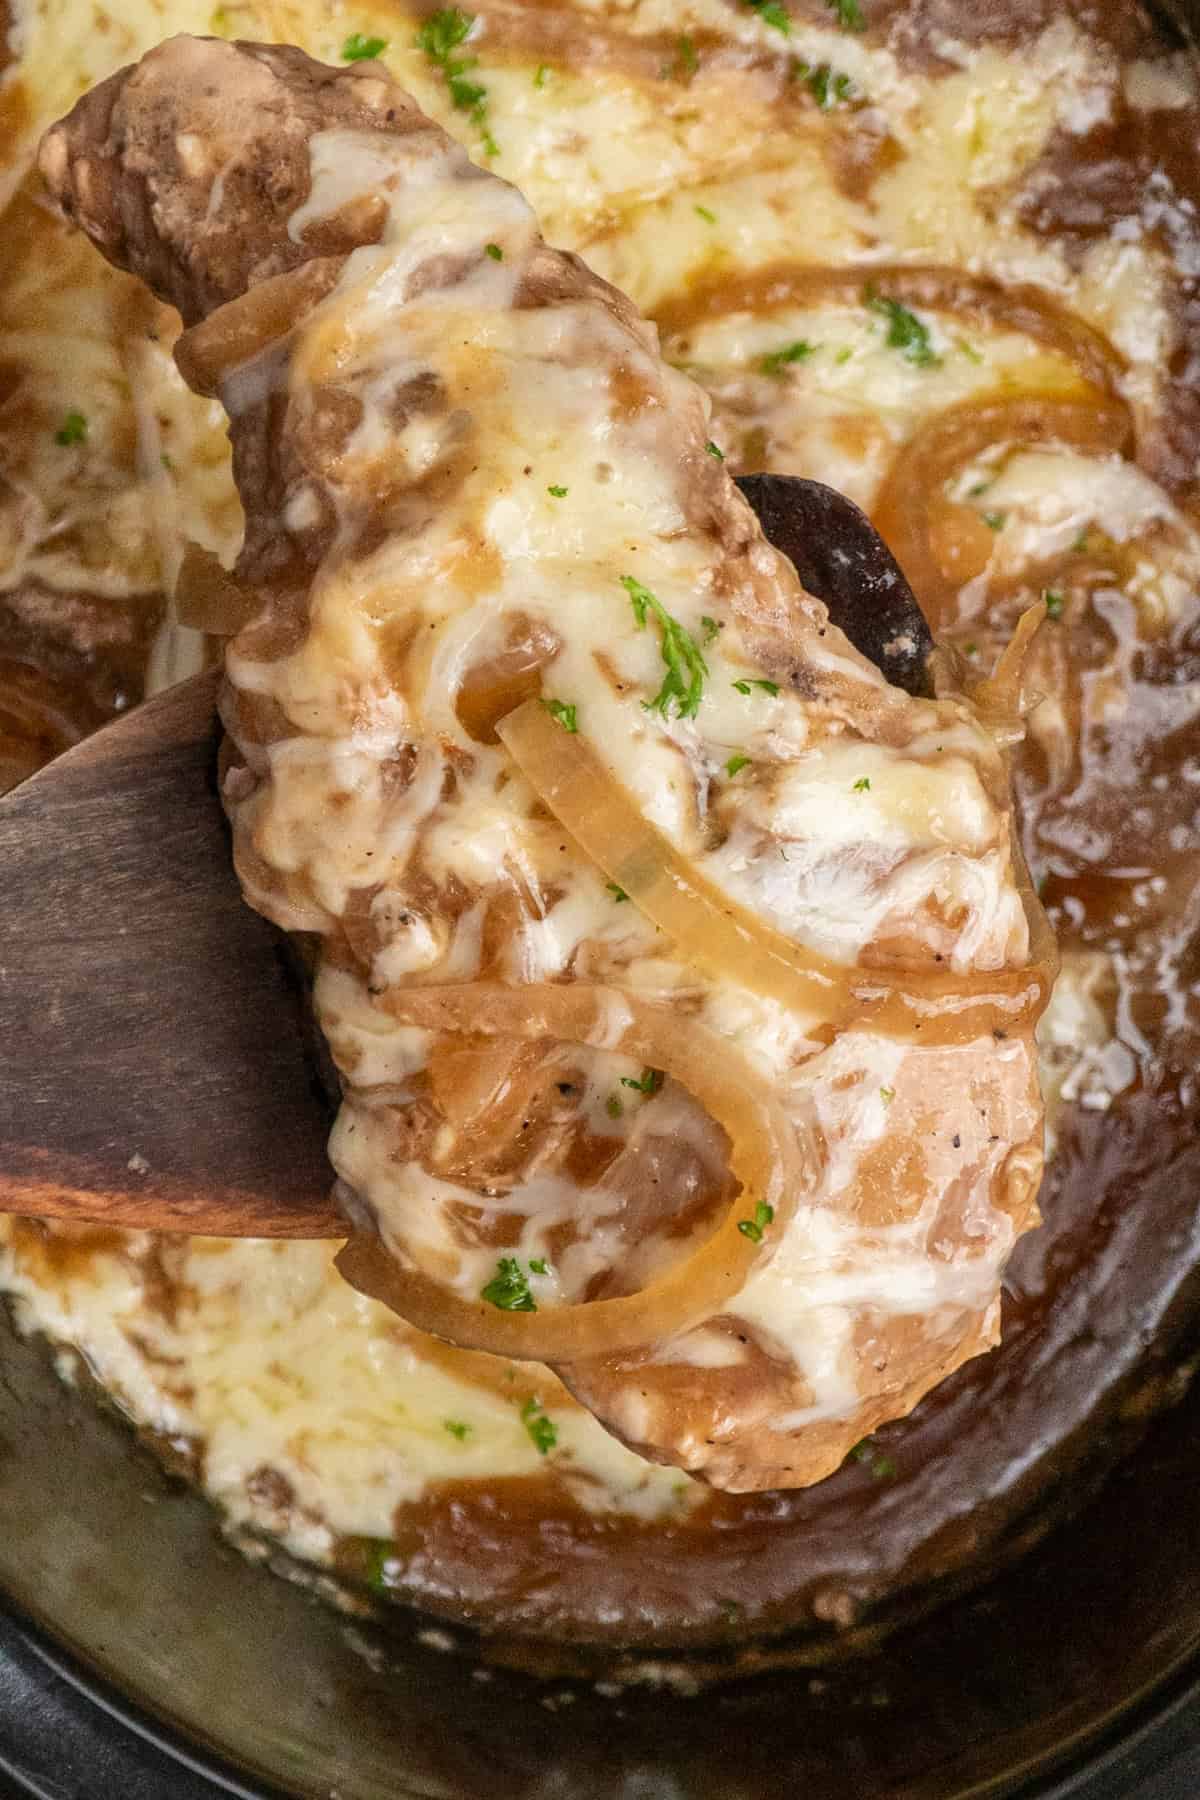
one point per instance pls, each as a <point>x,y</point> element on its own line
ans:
<point>539,1265</point>
<point>827,86</point>
<point>773,14</point>
<point>565,715</point>
<point>768,687</point>
<point>764,1215</point>
<point>458,1428</point>
<point>618,893</point>
<point>1054,603</point>
<point>559,493</point>
<point>613,1107</point>
<point>737,762</point>
<point>686,59</point>
<point>358,48</point>
<point>683,684</point>
<point>648,1082</point>
<point>73,430</point>
<point>706,213</point>
<point>439,37</point>
<point>882,1467</point>
<point>377,1554</point>
<point>715,450</point>
<point>995,521</point>
<point>887,1095</point>
<point>539,80</point>
<point>711,628</point>
<point>863,785</point>
<point>848,14</point>
<point>776,361</point>
<point>495,252</point>
<point>906,332</point>
<point>509,1288</point>
<point>543,1431</point>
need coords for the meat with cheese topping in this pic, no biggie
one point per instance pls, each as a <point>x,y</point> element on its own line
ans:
<point>471,485</point>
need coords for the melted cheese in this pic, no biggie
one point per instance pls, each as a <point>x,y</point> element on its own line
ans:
<point>616,166</point>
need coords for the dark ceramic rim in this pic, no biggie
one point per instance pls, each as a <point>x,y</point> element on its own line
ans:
<point>62,1724</point>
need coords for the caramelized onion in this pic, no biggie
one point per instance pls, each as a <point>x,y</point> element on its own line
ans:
<point>209,599</point>
<point>723,937</point>
<point>917,478</point>
<point>38,719</point>
<point>980,299</point>
<point>764,1159</point>
<point>243,328</point>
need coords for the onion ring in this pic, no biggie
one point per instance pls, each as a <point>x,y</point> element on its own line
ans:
<point>712,929</point>
<point>764,1157</point>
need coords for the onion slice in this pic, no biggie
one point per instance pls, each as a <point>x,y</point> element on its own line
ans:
<point>243,328</point>
<point>764,1158</point>
<point>931,1006</point>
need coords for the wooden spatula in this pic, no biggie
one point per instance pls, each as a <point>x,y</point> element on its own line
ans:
<point>157,1065</point>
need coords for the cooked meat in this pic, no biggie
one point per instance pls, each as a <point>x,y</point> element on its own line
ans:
<point>685,1018</point>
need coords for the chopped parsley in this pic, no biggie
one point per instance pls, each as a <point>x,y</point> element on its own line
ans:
<point>566,715</point>
<point>539,80</point>
<point>776,361</point>
<point>715,450</point>
<point>711,628</point>
<point>497,255</point>
<point>439,37</point>
<point>848,14</point>
<point>509,1288</point>
<point>539,1265</point>
<point>736,762</point>
<point>377,1553</point>
<point>969,350</point>
<point>764,1215</point>
<point>971,649</point>
<point>863,785</point>
<point>887,1095</point>
<point>73,430</point>
<point>358,48</point>
<point>773,14</point>
<point>686,60</point>
<point>827,86</point>
<point>618,893</point>
<point>648,1082</point>
<point>995,521</point>
<point>458,1428</point>
<point>706,213</point>
<point>559,493</point>
<point>882,1467</point>
<point>683,684</point>
<point>906,332</point>
<point>543,1431</point>
<point>768,687</point>
<point>1054,603</point>
<point>613,1107</point>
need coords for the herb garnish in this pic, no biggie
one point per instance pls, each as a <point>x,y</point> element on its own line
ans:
<point>995,521</point>
<point>707,214</point>
<point>543,1431</point>
<point>775,361</point>
<point>566,715</point>
<point>73,430</point>
<point>613,1107</point>
<point>559,493</point>
<point>439,37</point>
<point>736,762</point>
<point>539,80</point>
<point>887,1095</point>
<point>495,252</point>
<point>686,60</point>
<point>715,450</point>
<point>683,683</point>
<point>768,687</point>
<point>1054,603</point>
<point>827,86</point>
<point>711,628</point>
<point>764,1215</point>
<point>358,48</point>
<point>458,1428</point>
<point>539,1265</point>
<point>882,1467</point>
<point>906,332</point>
<point>618,893</point>
<point>863,784</point>
<point>648,1082</point>
<point>509,1288</point>
<point>848,14</point>
<point>773,14</point>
